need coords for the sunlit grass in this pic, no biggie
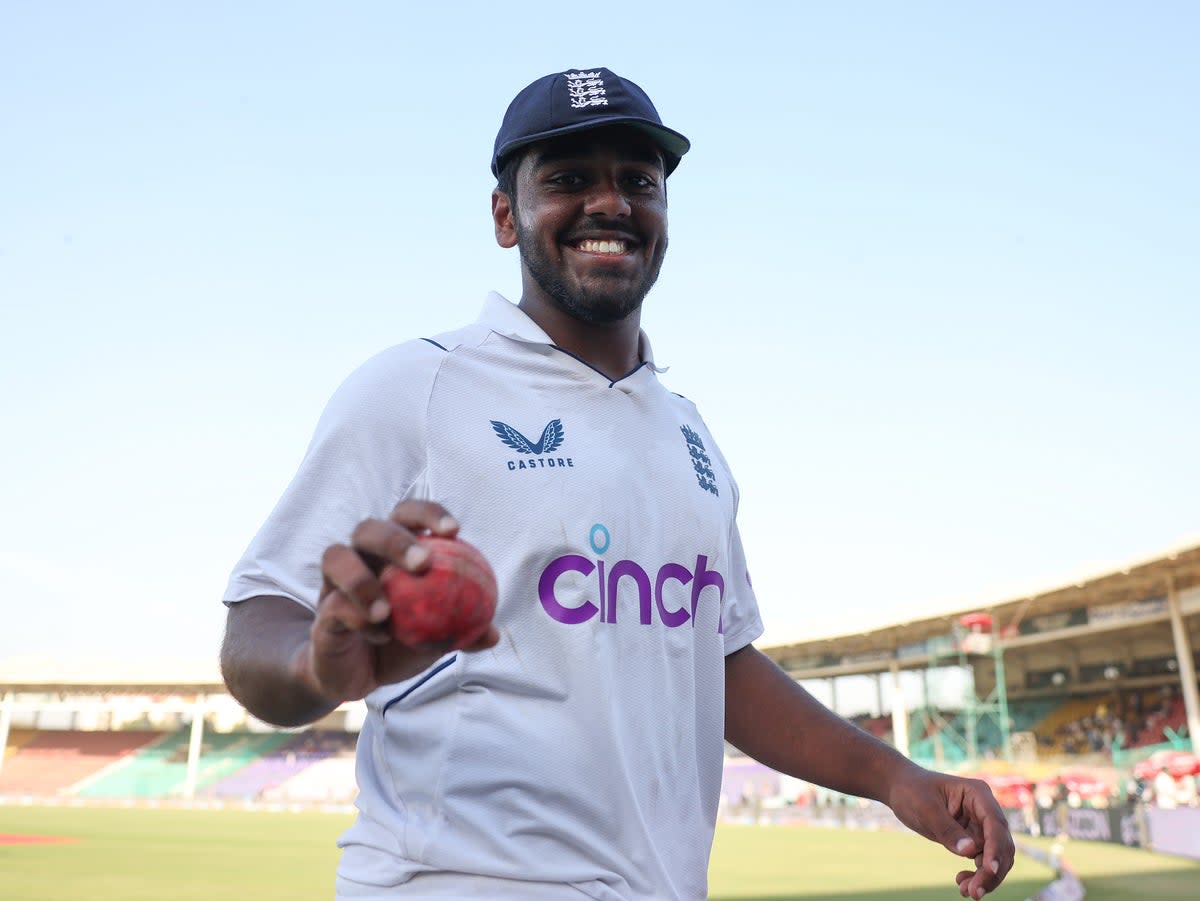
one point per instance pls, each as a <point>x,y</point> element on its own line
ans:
<point>128,854</point>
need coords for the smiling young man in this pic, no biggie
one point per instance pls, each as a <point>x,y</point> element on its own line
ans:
<point>591,227</point>
<point>576,750</point>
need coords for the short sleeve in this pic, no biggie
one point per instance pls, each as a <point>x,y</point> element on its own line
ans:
<point>740,620</point>
<point>367,453</point>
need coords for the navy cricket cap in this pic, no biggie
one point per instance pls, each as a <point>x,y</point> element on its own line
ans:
<point>577,100</point>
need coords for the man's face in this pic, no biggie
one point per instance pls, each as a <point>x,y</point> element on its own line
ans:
<point>591,222</point>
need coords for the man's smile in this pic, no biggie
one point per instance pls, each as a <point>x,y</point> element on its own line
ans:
<point>602,247</point>
<point>609,243</point>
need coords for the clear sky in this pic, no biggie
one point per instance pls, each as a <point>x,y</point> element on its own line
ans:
<point>933,280</point>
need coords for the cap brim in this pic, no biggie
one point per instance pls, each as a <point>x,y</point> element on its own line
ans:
<point>672,143</point>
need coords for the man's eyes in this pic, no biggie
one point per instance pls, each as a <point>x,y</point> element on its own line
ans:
<point>642,181</point>
<point>638,181</point>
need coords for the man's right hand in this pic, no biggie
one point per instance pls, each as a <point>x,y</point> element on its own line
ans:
<point>351,650</point>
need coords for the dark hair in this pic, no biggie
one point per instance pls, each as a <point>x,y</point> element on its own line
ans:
<point>506,181</point>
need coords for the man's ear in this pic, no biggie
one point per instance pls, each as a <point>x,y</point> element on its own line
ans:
<point>502,218</point>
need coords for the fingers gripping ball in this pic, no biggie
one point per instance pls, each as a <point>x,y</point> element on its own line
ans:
<point>449,605</point>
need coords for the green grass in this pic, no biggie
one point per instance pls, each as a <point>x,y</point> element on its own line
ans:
<point>144,854</point>
<point>806,864</point>
<point>169,855</point>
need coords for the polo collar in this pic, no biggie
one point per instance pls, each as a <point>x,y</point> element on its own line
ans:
<point>505,318</point>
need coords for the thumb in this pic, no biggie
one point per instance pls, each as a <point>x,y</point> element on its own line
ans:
<point>954,837</point>
<point>962,844</point>
<point>927,803</point>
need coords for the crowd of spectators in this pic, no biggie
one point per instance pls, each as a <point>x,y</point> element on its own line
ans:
<point>1124,723</point>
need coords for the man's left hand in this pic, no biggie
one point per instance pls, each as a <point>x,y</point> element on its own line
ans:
<point>963,816</point>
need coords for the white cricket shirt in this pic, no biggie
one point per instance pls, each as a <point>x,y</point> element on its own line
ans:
<point>585,750</point>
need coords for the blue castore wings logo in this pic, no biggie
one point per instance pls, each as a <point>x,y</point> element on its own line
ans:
<point>552,437</point>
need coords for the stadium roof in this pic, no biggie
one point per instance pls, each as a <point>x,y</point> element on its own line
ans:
<point>161,676</point>
<point>1128,583</point>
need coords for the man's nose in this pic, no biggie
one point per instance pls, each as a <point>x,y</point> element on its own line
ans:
<point>605,198</point>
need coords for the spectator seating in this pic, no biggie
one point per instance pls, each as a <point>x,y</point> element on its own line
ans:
<point>160,771</point>
<point>328,781</point>
<point>279,765</point>
<point>926,744</point>
<point>1050,730</point>
<point>1170,715</point>
<point>1023,715</point>
<point>49,763</point>
<point>17,739</point>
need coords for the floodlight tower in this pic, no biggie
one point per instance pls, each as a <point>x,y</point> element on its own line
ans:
<point>973,636</point>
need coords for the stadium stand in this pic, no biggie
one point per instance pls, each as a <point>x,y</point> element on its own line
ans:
<point>229,754</point>
<point>160,770</point>
<point>1025,715</point>
<point>1054,729</point>
<point>1103,722</point>
<point>278,766</point>
<point>1160,724</point>
<point>49,763</point>
<point>17,739</point>
<point>149,773</point>
<point>328,781</point>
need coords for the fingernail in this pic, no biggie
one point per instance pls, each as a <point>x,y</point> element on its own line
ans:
<point>962,845</point>
<point>447,524</point>
<point>995,866</point>
<point>379,610</point>
<point>979,893</point>
<point>415,556</point>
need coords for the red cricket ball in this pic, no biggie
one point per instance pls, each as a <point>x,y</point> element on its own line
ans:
<point>449,605</point>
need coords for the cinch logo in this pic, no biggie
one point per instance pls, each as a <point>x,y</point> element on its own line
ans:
<point>650,590</point>
<point>551,440</point>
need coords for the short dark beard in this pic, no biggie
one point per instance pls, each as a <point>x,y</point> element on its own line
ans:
<point>586,307</point>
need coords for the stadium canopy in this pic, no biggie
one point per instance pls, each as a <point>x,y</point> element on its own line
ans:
<point>1131,627</point>
<point>1130,596</point>
<point>108,675</point>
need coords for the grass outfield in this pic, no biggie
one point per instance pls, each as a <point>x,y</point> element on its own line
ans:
<point>783,863</point>
<point>119,854</point>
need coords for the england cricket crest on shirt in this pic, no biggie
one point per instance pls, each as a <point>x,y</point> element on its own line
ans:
<point>586,89</point>
<point>700,461</point>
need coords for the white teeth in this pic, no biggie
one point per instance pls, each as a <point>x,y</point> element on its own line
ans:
<point>602,246</point>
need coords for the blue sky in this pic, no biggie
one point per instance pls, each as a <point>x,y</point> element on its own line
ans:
<point>932,281</point>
